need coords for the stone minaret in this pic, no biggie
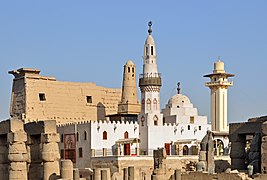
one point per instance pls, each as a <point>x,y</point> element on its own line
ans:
<point>149,83</point>
<point>218,106</point>
<point>129,103</point>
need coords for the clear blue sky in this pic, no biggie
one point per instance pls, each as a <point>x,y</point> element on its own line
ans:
<point>90,41</point>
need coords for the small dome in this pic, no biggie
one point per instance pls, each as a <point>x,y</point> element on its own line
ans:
<point>178,99</point>
<point>130,62</point>
<point>150,40</point>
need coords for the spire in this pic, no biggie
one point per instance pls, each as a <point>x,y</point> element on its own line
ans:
<point>178,88</point>
<point>149,25</point>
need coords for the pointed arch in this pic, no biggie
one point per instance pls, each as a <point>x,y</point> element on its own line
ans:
<point>105,135</point>
<point>152,50</point>
<point>156,119</point>
<point>142,120</point>
<point>148,104</point>
<point>126,135</point>
<point>155,104</point>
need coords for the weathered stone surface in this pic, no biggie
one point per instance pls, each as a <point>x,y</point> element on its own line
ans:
<point>48,138</point>
<point>66,170</point>
<point>18,175</point>
<point>18,166</point>
<point>50,152</point>
<point>70,103</point>
<point>50,169</point>
<point>238,150</point>
<point>253,155</point>
<point>255,145</point>
<point>18,157</point>
<point>17,148</point>
<point>4,171</point>
<point>3,154</point>
<point>201,166</point>
<point>11,125</point>
<point>19,136</point>
<point>238,163</point>
<point>264,128</point>
<point>202,156</point>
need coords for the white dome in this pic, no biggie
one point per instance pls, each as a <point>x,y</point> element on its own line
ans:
<point>179,99</point>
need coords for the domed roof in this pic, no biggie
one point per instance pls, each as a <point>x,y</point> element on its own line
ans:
<point>150,40</point>
<point>179,99</point>
<point>130,62</point>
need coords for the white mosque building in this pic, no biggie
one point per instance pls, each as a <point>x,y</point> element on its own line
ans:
<point>178,127</point>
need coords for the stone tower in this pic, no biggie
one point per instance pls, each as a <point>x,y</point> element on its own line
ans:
<point>218,103</point>
<point>149,83</point>
<point>129,103</point>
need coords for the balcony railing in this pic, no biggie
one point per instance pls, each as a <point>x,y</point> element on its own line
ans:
<point>216,83</point>
<point>152,79</point>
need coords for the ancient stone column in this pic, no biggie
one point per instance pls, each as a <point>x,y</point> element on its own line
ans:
<point>17,151</point>
<point>125,173</point>
<point>97,173</point>
<point>50,154</point>
<point>131,173</point>
<point>104,175</point>
<point>66,171</point>
<point>3,156</point>
<point>76,174</point>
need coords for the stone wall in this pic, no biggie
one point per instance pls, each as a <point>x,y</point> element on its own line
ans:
<point>36,97</point>
<point>28,151</point>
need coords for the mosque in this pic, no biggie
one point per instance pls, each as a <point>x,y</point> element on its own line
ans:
<point>112,123</point>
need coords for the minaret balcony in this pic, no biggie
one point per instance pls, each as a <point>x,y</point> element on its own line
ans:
<point>153,80</point>
<point>219,83</point>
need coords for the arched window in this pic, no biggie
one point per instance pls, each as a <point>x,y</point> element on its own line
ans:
<point>105,135</point>
<point>126,135</point>
<point>142,120</point>
<point>132,70</point>
<point>85,135</point>
<point>155,104</point>
<point>185,150</point>
<point>188,127</point>
<point>148,103</point>
<point>129,69</point>
<point>77,137</point>
<point>155,120</point>
<point>152,52</point>
<point>146,50</point>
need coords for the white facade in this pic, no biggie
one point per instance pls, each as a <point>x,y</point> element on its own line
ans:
<point>177,128</point>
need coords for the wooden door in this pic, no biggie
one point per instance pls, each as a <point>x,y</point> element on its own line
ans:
<point>127,149</point>
<point>168,149</point>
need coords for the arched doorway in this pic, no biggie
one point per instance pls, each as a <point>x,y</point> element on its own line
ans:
<point>185,150</point>
<point>218,147</point>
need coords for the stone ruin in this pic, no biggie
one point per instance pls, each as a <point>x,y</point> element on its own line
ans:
<point>206,154</point>
<point>30,151</point>
<point>161,172</point>
<point>255,154</point>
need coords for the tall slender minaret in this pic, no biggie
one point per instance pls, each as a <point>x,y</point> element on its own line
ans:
<point>149,83</point>
<point>129,103</point>
<point>218,101</point>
